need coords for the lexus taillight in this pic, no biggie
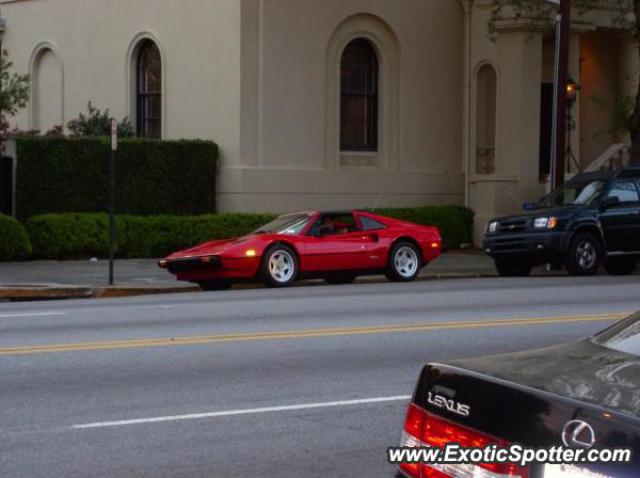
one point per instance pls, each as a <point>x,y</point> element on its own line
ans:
<point>423,429</point>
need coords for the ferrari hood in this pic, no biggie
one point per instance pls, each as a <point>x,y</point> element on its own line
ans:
<point>210,248</point>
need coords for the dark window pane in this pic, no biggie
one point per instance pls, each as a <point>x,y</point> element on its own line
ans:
<point>359,97</point>
<point>149,91</point>
<point>625,191</point>
<point>369,224</point>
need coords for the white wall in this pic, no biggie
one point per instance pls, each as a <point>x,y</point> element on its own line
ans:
<point>255,76</point>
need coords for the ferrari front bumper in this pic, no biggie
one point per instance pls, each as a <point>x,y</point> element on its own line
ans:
<point>203,263</point>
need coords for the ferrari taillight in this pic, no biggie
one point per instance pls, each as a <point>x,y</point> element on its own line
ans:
<point>423,429</point>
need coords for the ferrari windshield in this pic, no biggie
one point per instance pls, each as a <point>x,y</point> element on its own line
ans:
<point>573,193</point>
<point>289,224</point>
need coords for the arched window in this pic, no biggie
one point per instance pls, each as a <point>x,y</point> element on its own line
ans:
<point>47,90</point>
<point>486,120</point>
<point>149,91</point>
<point>359,97</point>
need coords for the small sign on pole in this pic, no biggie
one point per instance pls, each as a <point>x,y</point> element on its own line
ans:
<point>114,135</point>
<point>112,196</point>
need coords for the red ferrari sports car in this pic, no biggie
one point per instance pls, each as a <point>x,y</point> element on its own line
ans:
<point>336,245</point>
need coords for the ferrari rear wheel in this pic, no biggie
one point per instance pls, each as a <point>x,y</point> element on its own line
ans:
<point>404,262</point>
<point>279,266</point>
<point>209,285</point>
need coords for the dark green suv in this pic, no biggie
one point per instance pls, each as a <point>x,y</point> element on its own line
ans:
<point>592,220</point>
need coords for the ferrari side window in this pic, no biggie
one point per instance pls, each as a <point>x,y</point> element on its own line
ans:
<point>331,224</point>
<point>369,224</point>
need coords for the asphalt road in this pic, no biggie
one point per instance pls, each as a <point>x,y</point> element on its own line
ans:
<point>303,382</point>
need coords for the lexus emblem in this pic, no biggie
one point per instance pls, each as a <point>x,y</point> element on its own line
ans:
<point>577,433</point>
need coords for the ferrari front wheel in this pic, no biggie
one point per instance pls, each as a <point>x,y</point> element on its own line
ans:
<point>279,266</point>
<point>404,262</point>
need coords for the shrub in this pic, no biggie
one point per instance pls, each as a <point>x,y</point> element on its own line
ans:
<point>455,222</point>
<point>65,236</point>
<point>14,241</point>
<point>70,236</point>
<point>98,123</point>
<point>59,175</point>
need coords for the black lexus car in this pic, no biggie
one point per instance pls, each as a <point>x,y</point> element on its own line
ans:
<point>592,220</point>
<point>584,394</point>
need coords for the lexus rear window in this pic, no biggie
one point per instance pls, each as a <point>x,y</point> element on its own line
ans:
<point>623,337</point>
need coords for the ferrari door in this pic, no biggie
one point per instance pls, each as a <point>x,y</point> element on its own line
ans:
<point>335,243</point>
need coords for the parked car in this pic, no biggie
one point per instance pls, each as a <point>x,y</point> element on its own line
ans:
<point>592,220</point>
<point>336,245</point>
<point>584,394</point>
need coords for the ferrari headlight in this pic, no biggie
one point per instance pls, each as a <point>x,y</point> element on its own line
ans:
<point>545,222</point>
<point>492,227</point>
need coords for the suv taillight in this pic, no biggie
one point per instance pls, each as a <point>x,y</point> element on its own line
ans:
<point>425,429</point>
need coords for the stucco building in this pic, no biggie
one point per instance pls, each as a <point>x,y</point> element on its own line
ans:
<point>328,103</point>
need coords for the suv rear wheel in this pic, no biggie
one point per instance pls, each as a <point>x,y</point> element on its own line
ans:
<point>620,266</point>
<point>584,256</point>
<point>512,269</point>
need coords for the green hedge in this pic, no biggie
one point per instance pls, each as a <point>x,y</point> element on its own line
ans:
<point>65,236</point>
<point>14,241</point>
<point>74,236</point>
<point>455,222</point>
<point>59,175</point>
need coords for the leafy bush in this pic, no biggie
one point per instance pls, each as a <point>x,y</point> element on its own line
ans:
<point>98,123</point>
<point>14,242</point>
<point>59,175</point>
<point>71,236</point>
<point>64,236</point>
<point>68,236</point>
<point>455,222</point>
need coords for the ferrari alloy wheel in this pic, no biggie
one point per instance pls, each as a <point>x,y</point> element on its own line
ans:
<point>584,256</point>
<point>404,262</point>
<point>280,266</point>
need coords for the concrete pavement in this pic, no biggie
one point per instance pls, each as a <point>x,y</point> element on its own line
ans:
<point>222,409</point>
<point>78,279</point>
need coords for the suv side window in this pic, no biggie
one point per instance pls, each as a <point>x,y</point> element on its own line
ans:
<point>625,190</point>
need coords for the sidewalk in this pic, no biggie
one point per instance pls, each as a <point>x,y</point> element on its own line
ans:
<point>78,279</point>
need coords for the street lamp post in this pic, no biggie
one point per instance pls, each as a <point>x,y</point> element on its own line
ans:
<point>571,97</point>
<point>558,140</point>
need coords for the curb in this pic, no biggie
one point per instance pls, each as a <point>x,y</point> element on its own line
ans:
<point>54,292</point>
<point>34,293</point>
<point>28,292</point>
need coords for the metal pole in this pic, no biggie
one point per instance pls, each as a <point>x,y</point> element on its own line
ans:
<point>554,119</point>
<point>112,198</point>
<point>560,92</point>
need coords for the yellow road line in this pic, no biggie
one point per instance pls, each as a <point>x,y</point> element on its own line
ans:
<point>301,334</point>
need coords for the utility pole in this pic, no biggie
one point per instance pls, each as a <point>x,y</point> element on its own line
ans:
<point>112,196</point>
<point>560,89</point>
